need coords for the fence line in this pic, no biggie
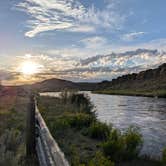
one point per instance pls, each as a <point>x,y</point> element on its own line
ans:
<point>48,151</point>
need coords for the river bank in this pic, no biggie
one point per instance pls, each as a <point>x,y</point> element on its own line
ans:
<point>71,123</point>
<point>128,92</point>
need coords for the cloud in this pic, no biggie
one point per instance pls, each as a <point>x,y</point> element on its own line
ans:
<point>94,68</point>
<point>143,58</point>
<point>7,75</point>
<point>132,36</point>
<point>83,28</point>
<point>94,42</point>
<point>69,15</point>
<point>102,67</point>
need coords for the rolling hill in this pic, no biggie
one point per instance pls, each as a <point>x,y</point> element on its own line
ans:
<point>59,84</point>
<point>151,82</point>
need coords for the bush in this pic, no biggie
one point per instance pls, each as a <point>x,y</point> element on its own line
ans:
<point>133,143</point>
<point>59,124</point>
<point>75,160</point>
<point>99,131</point>
<point>75,120</point>
<point>114,146</point>
<point>79,100</point>
<point>100,160</point>
<point>164,157</point>
<point>81,120</point>
<point>123,146</point>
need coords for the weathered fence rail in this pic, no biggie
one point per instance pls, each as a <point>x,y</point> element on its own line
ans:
<point>48,151</point>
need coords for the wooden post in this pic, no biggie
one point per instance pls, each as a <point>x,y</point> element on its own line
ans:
<point>30,135</point>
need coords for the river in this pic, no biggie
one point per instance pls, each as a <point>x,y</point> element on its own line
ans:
<point>149,114</point>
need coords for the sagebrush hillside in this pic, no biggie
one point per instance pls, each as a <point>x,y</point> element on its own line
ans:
<point>149,80</point>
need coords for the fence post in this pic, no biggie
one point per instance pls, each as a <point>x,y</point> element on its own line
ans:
<point>30,133</point>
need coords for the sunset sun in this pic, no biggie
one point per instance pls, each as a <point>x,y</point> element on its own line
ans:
<point>29,68</point>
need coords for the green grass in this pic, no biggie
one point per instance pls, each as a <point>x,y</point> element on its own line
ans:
<point>13,113</point>
<point>164,157</point>
<point>86,141</point>
<point>129,92</point>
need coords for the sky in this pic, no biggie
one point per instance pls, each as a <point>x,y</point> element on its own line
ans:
<point>79,40</point>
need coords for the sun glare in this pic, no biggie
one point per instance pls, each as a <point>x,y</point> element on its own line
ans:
<point>29,68</point>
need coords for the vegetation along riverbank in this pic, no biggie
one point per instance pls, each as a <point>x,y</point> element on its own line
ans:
<point>86,141</point>
<point>129,92</point>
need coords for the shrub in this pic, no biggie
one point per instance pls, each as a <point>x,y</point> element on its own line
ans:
<point>81,120</point>
<point>75,160</point>
<point>78,101</point>
<point>123,146</point>
<point>65,95</point>
<point>133,142</point>
<point>99,131</point>
<point>114,146</point>
<point>82,102</point>
<point>59,124</point>
<point>100,160</point>
<point>164,157</point>
<point>75,120</point>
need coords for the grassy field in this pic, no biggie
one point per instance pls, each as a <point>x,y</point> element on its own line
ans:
<point>13,112</point>
<point>126,92</point>
<point>84,140</point>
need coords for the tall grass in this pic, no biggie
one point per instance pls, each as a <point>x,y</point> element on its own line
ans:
<point>164,157</point>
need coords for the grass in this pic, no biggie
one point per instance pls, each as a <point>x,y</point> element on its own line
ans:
<point>13,112</point>
<point>86,141</point>
<point>164,157</point>
<point>130,92</point>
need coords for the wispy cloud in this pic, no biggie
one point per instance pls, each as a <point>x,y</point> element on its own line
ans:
<point>132,36</point>
<point>94,42</point>
<point>82,28</point>
<point>67,15</point>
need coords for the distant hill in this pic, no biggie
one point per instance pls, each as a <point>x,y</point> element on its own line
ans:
<point>148,83</point>
<point>150,79</point>
<point>59,84</point>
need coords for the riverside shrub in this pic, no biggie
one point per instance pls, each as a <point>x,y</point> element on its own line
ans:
<point>114,146</point>
<point>99,131</point>
<point>100,160</point>
<point>133,142</point>
<point>123,146</point>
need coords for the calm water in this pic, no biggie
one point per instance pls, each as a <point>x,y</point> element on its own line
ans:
<point>149,114</point>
